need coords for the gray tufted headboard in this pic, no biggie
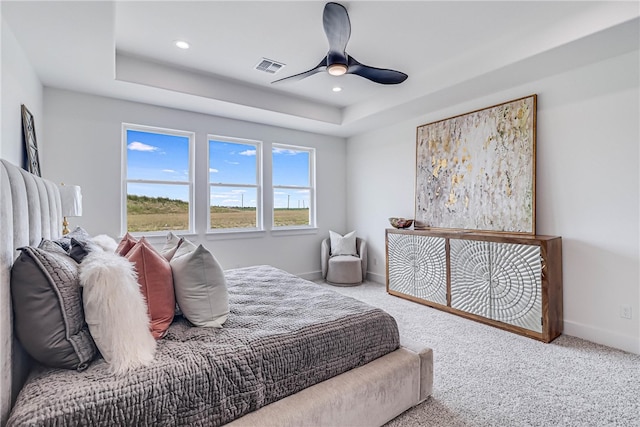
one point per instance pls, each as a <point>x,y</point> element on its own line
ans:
<point>29,211</point>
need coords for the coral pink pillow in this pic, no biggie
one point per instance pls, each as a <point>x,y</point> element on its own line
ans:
<point>156,284</point>
<point>125,245</point>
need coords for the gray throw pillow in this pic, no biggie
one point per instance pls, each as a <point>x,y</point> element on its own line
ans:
<point>80,234</point>
<point>50,246</point>
<point>48,313</point>
<point>200,286</point>
<point>79,249</point>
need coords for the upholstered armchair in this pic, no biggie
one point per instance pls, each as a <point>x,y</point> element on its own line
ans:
<point>344,270</point>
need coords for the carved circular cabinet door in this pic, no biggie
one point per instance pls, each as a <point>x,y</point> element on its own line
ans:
<point>500,281</point>
<point>418,267</point>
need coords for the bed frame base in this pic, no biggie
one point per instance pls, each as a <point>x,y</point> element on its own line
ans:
<point>370,395</point>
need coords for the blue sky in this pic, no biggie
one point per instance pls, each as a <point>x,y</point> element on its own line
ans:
<point>291,168</point>
<point>158,157</point>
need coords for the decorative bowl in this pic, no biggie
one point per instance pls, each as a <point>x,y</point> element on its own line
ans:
<point>400,222</point>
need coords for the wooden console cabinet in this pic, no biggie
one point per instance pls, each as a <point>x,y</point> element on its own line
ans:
<point>510,281</point>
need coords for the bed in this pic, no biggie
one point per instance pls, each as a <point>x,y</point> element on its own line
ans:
<point>367,374</point>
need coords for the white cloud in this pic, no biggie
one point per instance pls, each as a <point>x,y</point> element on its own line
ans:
<point>248,153</point>
<point>238,191</point>
<point>168,170</point>
<point>231,163</point>
<point>213,170</point>
<point>139,146</point>
<point>277,150</point>
<point>279,193</point>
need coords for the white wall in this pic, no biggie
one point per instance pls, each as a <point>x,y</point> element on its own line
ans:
<point>20,85</point>
<point>587,189</point>
<point>84,148</point>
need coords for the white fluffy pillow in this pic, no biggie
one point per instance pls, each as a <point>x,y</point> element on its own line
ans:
<point>107,243</point>
<point>116,312</point>
<point>200,286</point>
<point>343,245</point>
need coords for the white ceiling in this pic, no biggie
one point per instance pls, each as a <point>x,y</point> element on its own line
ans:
<point>452,51</point>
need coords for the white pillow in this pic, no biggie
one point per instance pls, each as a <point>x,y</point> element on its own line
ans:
<point>115,311</point>
<point>343,245</point>
<point>200,286</point>
<point>107,243</point>
<point>171,246</point>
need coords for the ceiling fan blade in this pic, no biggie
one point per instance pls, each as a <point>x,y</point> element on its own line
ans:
<point>378,75</point>
<point>322,66</point>
<point>337,27</point>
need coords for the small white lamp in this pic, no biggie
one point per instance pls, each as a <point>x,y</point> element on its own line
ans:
<point>71,198</point>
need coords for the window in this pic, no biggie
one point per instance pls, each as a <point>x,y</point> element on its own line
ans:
<point>293,186</point>
<point>158,179</point>
<point>159,192</point>
<point>235,191</point>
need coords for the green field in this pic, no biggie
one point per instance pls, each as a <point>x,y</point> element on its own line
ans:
<point>162,214</point>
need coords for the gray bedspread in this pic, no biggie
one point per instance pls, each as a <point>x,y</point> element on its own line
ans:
<point>283,334</point>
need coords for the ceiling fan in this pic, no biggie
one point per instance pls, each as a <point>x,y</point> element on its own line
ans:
<point>337,27</point>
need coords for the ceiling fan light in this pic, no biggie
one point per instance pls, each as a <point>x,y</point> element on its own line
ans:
<point>337,69</point>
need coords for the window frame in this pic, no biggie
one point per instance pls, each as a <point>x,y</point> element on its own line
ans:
<point>311,188</point>
<point>125,180</point>
<point>259,187</point>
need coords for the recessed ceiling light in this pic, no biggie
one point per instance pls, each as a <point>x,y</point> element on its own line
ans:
<point>181,44</point>
<point>337,89</point>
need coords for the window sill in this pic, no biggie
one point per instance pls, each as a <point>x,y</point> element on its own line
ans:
<point>230,234</point>
<point>293,231</point>
<point>234,234</point>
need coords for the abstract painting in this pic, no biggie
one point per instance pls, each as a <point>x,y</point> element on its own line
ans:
<point>476,171</point>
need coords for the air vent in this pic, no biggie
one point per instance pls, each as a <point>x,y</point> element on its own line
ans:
<point>269,66</point>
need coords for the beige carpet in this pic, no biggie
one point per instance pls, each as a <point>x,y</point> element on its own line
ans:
<point>488,377</point>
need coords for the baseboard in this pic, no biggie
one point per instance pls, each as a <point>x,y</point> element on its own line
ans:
<point>602,336</point>
<point>317,275</point>
<point>378,278</point>
<point>314,275</point>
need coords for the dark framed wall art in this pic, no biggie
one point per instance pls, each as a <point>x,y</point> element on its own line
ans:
<point>30,142</point>
<point>476,171</point>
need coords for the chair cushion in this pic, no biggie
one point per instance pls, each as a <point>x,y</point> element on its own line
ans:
<point>344,269</point>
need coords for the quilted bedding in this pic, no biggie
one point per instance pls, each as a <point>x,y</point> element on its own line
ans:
<point>283,334</point>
